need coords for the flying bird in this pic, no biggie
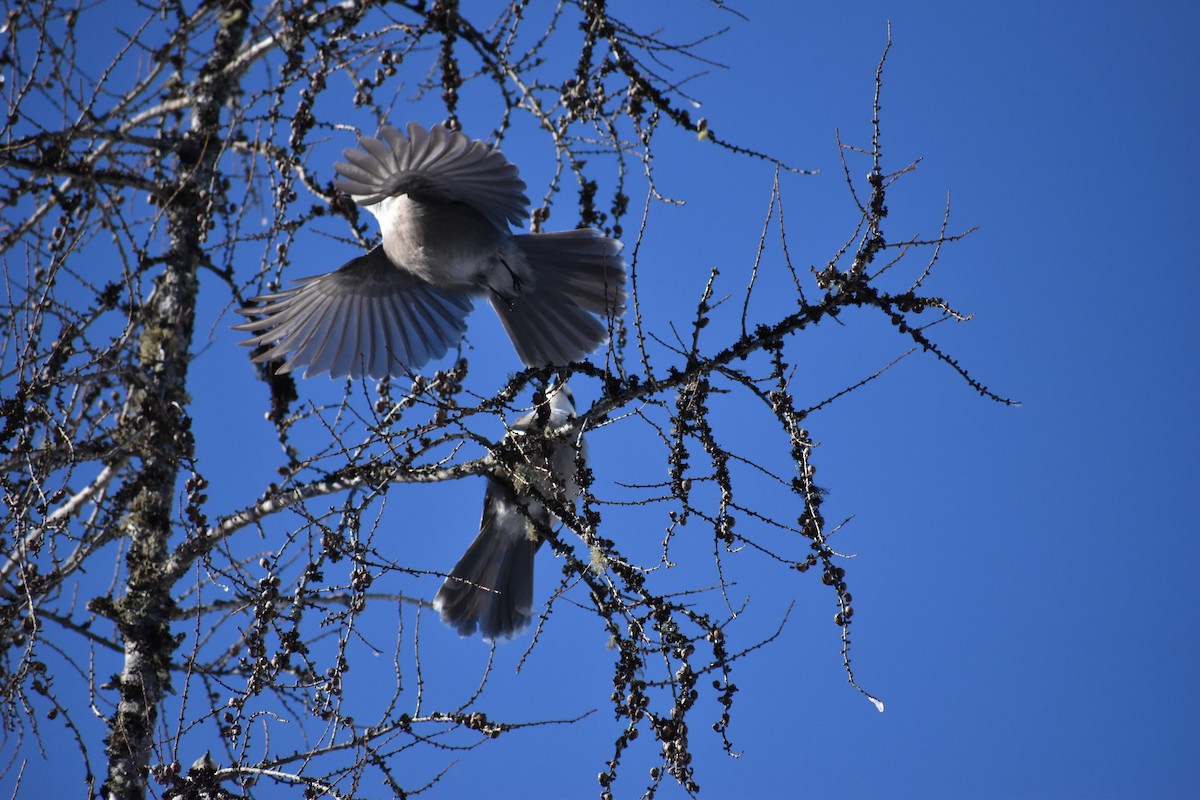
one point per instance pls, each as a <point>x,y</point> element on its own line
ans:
<point>444,204</point>
<point>491,586</point>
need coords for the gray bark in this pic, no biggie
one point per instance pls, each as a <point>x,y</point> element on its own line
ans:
<point>157,408</point>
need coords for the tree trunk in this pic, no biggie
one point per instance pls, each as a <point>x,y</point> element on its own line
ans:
<point>157,418</point>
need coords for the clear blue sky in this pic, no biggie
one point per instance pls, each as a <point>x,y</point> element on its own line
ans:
<point>1027,580</point>
<point>1025,584</point>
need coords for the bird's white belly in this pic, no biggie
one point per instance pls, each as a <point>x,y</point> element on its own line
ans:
<point>449,245</point>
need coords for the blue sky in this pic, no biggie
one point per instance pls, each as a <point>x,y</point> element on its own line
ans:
<point>1026,579</point>
<point>1025,582</point>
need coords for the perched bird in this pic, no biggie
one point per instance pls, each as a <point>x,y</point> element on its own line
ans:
<point>491,586</point>
<point>444,204</point>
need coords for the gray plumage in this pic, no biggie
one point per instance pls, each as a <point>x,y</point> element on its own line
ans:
<point>444,204</point>
<point>491,586</point>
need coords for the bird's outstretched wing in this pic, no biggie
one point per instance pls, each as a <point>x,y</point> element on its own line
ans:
<point>439,164</point>
<point>365,318</point>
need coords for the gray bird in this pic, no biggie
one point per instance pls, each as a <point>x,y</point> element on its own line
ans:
<point>444,204</point>
<point>491,586</point>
